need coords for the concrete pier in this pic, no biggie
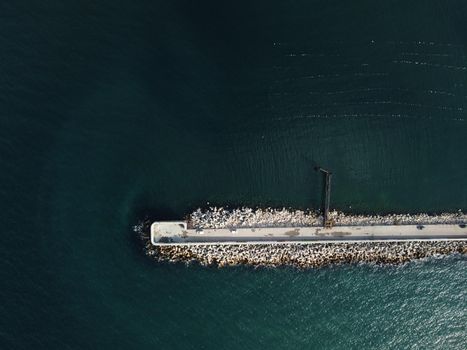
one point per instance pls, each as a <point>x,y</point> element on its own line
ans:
<point>177,233</point>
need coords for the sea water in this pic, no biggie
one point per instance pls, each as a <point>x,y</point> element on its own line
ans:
<point>112,111</point>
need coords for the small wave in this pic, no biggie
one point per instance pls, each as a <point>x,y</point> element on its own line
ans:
<point>338,43</point>
<point>332,75</point>
<point>428,64</point>
<point>424,43</point>
<point>349,115</point>
<point>362,115</point>
<point>306,54</point>
<point>425,54</point>
<point>362,90</point>
<point>387,102</point>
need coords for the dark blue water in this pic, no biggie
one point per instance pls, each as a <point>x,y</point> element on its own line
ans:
<point>114,110</point>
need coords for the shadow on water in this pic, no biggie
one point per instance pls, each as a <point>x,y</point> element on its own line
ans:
<point>322,183</point>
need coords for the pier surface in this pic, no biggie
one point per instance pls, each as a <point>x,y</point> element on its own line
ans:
<point>176,232</point>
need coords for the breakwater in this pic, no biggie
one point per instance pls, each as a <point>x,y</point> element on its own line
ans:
<point>401,246</point>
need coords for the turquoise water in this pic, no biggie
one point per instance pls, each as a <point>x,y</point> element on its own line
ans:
<point>116,110</point>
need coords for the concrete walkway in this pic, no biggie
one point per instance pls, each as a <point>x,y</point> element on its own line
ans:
<point>176,232</point>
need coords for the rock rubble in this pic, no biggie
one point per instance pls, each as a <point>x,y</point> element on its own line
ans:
<point>305,255</point>
<point>247,217</point>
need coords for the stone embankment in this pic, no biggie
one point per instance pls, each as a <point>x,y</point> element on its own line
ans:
<point>304,255</point>
<point>216,218</point>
